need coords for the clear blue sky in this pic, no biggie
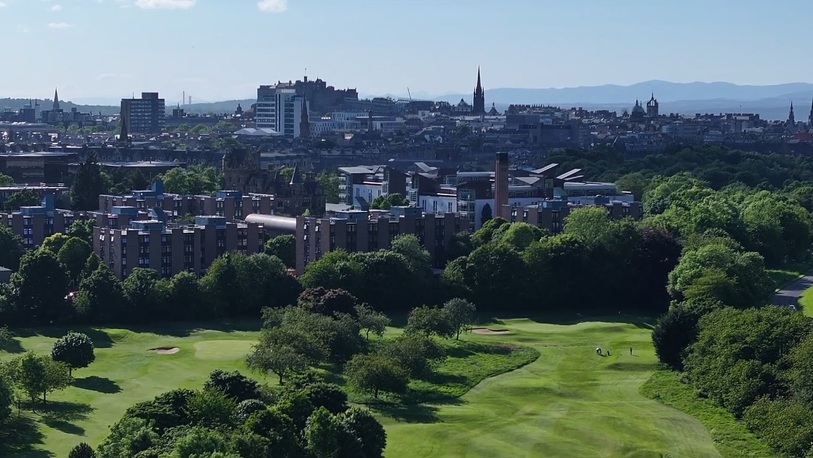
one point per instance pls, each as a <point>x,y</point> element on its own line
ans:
<point>223,49</point>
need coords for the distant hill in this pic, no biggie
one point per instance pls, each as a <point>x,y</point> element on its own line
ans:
<point>664,91</point>
<point>16,104</point>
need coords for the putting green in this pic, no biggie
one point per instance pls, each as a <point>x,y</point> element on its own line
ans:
<point>569,402</point>
<point>223,350</point>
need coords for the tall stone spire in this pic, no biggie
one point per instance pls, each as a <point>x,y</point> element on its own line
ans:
<point>810,116</point>
<point>791,117</point>
<point>479,102</point>
<point>304,120</point>
<point>56,100</point>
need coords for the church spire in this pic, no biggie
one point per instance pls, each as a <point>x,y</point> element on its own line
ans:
<point>791,117</point>
<point>479,102</point>
<point>56,99</point>
<point>810,117</point>
<point>304,120</point>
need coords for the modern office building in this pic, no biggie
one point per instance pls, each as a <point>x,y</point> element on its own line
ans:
<point>266,107</point>
<point>143,116</point>
<point>170,249</point>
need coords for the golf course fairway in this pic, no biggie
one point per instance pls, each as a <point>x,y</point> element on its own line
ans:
<point>569,402</point>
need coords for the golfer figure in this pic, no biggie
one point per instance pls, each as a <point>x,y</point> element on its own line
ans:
<point>630,351</point>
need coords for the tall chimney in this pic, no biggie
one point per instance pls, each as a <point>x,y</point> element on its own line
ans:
<point>501,186</point>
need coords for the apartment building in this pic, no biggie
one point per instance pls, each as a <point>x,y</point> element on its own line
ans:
<point>170,249</point>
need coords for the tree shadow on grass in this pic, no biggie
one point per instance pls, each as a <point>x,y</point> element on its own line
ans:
<point>407,413</point>
<point>100,338</point>
<point>187,328</point>
<point>20,437</point>
<point>64,411</point>
<point>642,321</point>
<point>61,415</point>
<point>99,384</point>
<point>11,346</point>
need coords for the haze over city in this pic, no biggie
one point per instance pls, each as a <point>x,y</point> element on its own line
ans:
<point>98,51</point>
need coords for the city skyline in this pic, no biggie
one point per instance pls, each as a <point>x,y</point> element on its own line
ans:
<point>108,49</point>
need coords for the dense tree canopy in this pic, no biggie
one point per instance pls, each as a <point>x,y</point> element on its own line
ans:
<point>88,185</point>
<point>193,180</point>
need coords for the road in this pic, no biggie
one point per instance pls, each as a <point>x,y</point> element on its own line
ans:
<point>789,295</point>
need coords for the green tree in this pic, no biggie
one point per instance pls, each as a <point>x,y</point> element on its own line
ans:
<point>636,183</point>
<point>128,437</point>
<point>11,249</point>
<point>24,198</point>
<point>38,375</point>
<point>362,425</point>
<point>101,297</point>
<point>211,408</point>
<point>745,270</point>
<point>374,374</point>
<point>784,424</point>
<point>6,399</point>
<point>487,231</point>
<point>88,185</point>
<point>738,353</point>
<point>427,321</point>
<point>193,180</point>
<point>283,247</point>
<point>486,214</point>
<point>54,242</point>
<point>335,269</point>
<point>75,350</point>
<point>327,395</point>
<point>39,287</point>
<point>73,255</point>
<point>199,442</point>
<point>458,246</point>
<point>417,354</point>
<point>408,245</point>
<point>329,181</point>
<point>143,294</point>
<point>590,224</point>
<point>460,313</point>
<point>185,296</point>
<point>233,384</point>
<point>520,235</point>
<point>82,229</point>
<point>673,333</point>
<point>371,320</point>
<point>328,302</point>
<point>779,229</point>
<point>323,434</point>
<point>280,359</point>
<point>82,450</point>
<point>6,180</point>
<point>492,288</point>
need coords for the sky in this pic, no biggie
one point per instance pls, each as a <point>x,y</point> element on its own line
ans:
<point>102,50</point>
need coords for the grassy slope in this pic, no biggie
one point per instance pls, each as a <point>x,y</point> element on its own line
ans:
<point>731,437</point>
<point>569,402</point>
<point>806,301</point>
<point>784,275</point>
<point>125,373</point>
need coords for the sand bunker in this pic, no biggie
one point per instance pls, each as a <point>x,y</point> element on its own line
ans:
<point>165,350</point>
<point>490,331</point>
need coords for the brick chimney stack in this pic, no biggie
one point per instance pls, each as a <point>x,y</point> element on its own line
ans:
<point>501,186</point>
